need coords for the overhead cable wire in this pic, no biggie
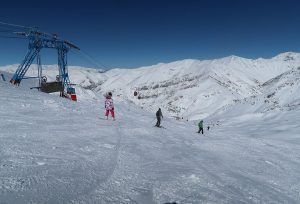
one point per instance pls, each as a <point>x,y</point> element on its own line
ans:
<point>2,36</point>
<point>91,60</point>
<point>8,31</point>
<point>14,25</point>
<point>5,29</point>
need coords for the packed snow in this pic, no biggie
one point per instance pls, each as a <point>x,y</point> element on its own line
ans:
<point>54,150</point>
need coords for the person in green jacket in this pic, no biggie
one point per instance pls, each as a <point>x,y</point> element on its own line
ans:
<point>200,125</point>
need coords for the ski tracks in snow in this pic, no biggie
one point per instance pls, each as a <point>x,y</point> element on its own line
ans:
<point>115,158</point>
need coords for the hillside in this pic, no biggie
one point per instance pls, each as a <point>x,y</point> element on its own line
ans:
<point>54,150</point>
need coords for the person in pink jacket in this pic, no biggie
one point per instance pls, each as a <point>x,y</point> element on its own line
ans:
<point>109,106</point>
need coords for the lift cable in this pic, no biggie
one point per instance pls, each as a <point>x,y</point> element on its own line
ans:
<point>15,37</point>
<point>9,30</point>
<point>14,25</point>
<point>92,60</point>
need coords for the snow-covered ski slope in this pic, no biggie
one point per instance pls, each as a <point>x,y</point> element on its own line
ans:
<point>53,150</point>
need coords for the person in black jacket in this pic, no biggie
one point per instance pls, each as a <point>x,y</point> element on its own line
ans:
<point>158,117</point>
<point>2,76</point>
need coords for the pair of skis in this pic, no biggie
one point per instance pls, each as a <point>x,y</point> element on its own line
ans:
<point>106,119</point>
<point>160,127</point>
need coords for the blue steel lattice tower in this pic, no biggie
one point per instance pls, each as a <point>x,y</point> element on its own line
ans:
<point>37,41</point>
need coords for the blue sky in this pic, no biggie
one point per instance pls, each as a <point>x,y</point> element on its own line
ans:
<point>132,33</point>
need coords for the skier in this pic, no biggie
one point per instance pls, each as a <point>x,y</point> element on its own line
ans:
<point>109,106</point>
<point>208,128</point>
<point>158,117</point>
<point>200,125</point>
<point>2,76</point>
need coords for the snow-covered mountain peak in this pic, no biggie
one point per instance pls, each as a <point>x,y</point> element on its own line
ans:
<point>231,58</point>
<point>288,56</point>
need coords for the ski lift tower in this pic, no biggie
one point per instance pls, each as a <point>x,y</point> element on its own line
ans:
<point>37,41</point>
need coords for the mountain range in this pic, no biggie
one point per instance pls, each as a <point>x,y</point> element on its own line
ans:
<point>192,89</point>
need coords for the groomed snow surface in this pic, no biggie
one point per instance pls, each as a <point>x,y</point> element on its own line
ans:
<point>53,150</point>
